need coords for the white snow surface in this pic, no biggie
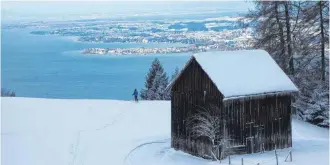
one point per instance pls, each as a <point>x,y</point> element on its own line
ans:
<point>244,72</point>
<point>108,132</point>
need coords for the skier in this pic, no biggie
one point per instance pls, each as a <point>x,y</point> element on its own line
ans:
<point>135,94</point>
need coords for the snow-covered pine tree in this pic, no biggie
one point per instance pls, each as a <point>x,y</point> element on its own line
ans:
<point>296,34</point>
<point>7,93</point>
<point>315,15</point>
<point>156,82</point>
<point>174,75</point>
<point>154,93</point>
<point>155,67</point>
<point>157,91</point>
<point>312,102</point>
<point>165,95</point>
<point>319,106</point>
<point>176,72</point>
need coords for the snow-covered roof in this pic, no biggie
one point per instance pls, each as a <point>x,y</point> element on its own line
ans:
<point>244,72</point>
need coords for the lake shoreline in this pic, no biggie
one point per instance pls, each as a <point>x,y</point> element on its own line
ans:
<point>53,67</point>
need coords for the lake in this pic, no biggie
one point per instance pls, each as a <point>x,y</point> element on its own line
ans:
<point>52,67</point>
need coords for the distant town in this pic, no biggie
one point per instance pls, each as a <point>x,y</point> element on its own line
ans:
<point>145,51</point>
<point>223,33</point>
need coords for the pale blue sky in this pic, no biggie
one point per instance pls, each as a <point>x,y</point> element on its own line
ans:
<point>77,9</point>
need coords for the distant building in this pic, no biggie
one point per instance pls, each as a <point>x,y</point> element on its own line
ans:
<point>252,96</point>
<point>145,40</point>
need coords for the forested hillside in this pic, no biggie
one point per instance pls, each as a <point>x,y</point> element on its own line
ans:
<point>296,34</point>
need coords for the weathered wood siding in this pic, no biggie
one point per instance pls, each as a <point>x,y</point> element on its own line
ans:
<point>187,93</point>
<point>260,122</point>
<point>253,123</point>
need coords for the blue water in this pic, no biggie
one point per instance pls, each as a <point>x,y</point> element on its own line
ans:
<point>52,67</point>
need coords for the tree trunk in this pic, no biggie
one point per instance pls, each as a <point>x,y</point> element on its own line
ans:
<point>322,42</point>
<point>288,37</point>
<point>280,28</point>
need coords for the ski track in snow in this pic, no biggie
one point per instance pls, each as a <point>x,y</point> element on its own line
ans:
<point>143,145</point>
<point>113,121</point>
<point>76,146</point>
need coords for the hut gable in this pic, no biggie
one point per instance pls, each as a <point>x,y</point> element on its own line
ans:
<point>195,86</point>
<point>194,78</point>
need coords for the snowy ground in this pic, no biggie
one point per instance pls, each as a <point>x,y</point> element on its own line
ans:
<point>109,132</point>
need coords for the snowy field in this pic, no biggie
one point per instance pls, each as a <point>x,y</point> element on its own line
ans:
<point>109,132</point>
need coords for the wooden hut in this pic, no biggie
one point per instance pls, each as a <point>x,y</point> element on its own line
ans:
<point>250,93</point>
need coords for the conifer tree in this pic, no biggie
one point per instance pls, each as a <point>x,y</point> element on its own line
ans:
<point>315,15</point>
<point>296,34</point>
<point>176,72</point>
<point>156,82</point>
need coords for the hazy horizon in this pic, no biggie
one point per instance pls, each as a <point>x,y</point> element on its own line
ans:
<point>49,10</point>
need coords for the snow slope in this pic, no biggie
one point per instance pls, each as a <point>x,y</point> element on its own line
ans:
<point>108,132</point>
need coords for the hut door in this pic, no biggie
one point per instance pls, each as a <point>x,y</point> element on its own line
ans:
<point>250,144</point>
<point>254,137</point>
<point>249,134</point>
<point>259,140</point>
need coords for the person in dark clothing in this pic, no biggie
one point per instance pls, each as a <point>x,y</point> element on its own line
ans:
<point>135,94</point>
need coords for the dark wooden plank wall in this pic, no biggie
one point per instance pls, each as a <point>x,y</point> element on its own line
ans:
<point>260,122</point>
<point>187,93</point>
